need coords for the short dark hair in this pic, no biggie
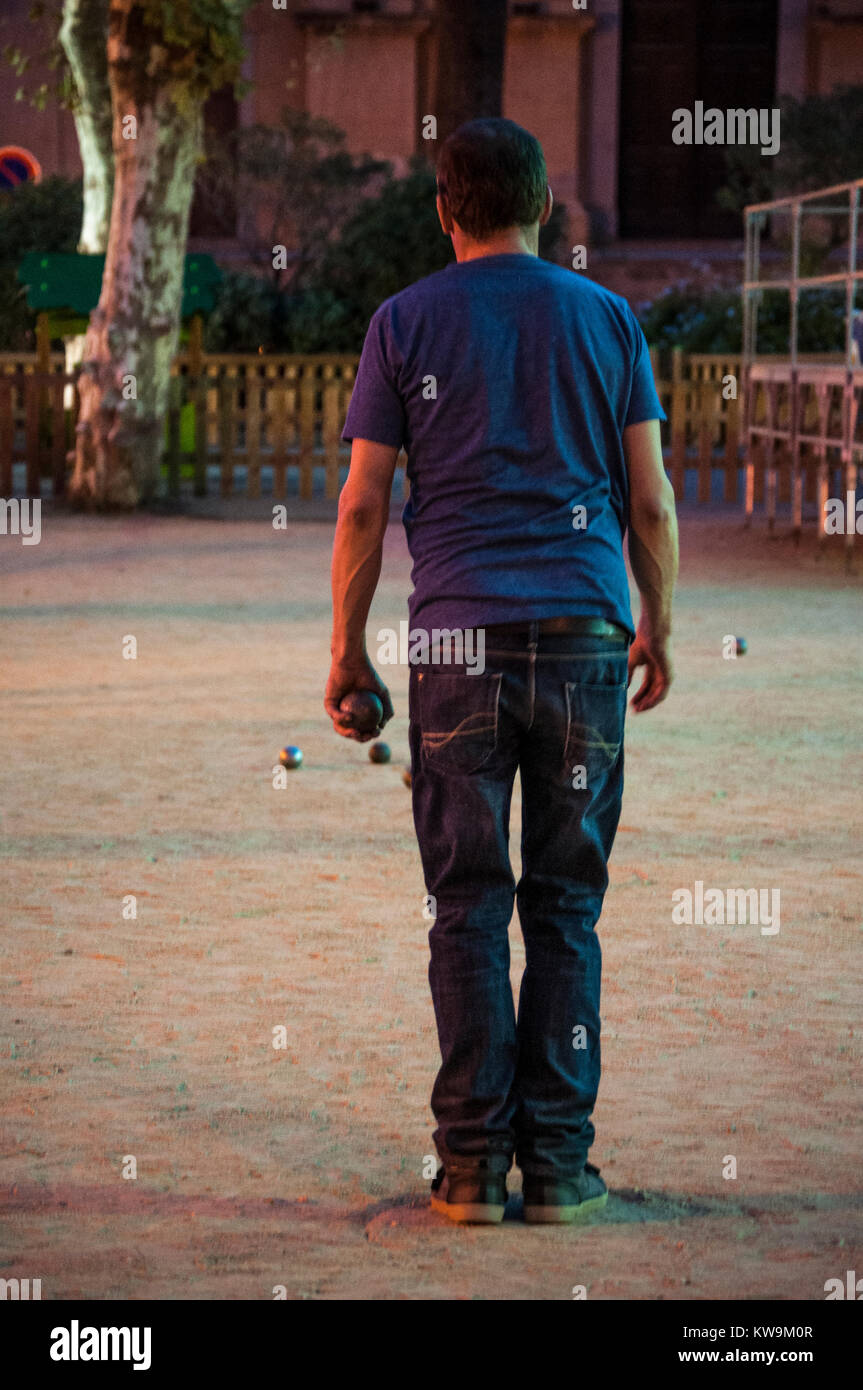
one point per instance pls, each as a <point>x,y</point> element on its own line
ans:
<point>491,174</point>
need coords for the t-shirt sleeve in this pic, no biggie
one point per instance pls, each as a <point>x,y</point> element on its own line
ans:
<point>643,399</point>
<point>376,410</point>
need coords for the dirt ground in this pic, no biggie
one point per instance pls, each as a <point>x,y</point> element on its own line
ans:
<point>301,906</point>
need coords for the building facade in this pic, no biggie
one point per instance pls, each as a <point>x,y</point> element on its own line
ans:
<point>596,81</point>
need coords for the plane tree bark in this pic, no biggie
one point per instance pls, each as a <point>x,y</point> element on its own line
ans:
<point>83,35</point>
<point>164,57</point>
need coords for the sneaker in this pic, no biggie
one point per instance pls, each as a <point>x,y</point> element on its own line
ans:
<point>564,1201</point>
<point>470,1194</point>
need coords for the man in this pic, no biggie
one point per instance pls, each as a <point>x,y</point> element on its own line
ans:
<point>524,397</point>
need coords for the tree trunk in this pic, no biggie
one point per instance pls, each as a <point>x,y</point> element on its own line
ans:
<point>84,36</point>
<point>471,39</point>
<point>133,332</point>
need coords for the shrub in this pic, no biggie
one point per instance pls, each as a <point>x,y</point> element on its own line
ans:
<point>694,320</point>
<point>17,322</point>
<point>245,315</point>
<point>317,321</point>
<point>821,138</point>
<point>33,217</point>
<point>40,217</point>
<point>391,241</point>
<point>700,321</point>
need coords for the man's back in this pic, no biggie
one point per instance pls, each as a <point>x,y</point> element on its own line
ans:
<point>509,382</point>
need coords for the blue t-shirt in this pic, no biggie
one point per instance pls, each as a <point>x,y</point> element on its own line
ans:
<point>508,381</point>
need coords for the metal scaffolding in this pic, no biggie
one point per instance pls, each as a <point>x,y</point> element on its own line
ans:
<point>793,403</point>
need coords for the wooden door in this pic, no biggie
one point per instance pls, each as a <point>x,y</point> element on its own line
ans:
<point>674,53</point>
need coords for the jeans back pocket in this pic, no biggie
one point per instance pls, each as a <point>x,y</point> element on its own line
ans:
<point>458,716</point>
<point>595,717</point>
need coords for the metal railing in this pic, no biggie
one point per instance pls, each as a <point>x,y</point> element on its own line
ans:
<point>795,410</point>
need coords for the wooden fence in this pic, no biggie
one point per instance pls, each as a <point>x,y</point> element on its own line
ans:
<point>251,424</point>
<point>229,420</point>
<point>37,411</point>
<point>703,418</point>
<point>253,412</point>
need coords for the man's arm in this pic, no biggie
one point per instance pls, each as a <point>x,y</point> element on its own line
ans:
<point>653,555</point>
<point>364,506</point>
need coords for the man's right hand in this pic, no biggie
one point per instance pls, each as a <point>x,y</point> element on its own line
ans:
<point>653,556</point>
<point>654,654</point>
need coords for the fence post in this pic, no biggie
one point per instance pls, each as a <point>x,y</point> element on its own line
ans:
<point>7,434</point>
<point>58,435</point>
<point>331,429</point>
<point>43,369</point>
<point>253,431</point>
<point>32,394</point>
<point>760,400</point>
<point>196,346</point>
<point>852,472</point>
<point>227,430</point>
<point>307,429</point>
<point>196,394</point>
<point>705,397</point>
<point>679,390</point>
<point>732,443</point>
<point>43,343</point>
<point>175,401</point>
<point>279,418</point>
<point>201,399</point>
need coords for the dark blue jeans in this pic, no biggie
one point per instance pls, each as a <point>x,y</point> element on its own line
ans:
<point>553,707</point>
